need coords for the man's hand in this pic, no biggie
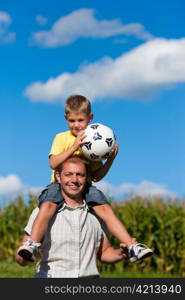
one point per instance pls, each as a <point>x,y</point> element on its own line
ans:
<point>124,250</point>
<point>21,261</point>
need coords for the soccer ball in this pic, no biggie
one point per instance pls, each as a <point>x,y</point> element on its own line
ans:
<point>100,140</point>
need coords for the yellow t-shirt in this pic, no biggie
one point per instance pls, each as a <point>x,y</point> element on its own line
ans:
<point>62,142</point>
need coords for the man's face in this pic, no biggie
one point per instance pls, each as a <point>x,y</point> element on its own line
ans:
<point>72,179</point>
<point>78,121</point>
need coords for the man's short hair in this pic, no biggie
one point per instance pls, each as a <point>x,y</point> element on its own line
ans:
<point>74,159</point>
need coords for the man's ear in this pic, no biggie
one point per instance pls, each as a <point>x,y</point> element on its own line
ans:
<point>57,176</point>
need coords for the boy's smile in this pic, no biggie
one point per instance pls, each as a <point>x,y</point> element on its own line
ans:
<point>78,121</point>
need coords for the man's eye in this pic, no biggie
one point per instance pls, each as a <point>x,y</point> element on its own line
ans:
<point>81,175</point>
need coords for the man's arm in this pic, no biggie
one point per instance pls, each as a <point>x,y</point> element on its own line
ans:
<point>102,171</point>
<point>22,262</point>
<point>108,254</point>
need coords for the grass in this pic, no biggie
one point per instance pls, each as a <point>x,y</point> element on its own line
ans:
<point>9,269</point>
<point>135,274</point>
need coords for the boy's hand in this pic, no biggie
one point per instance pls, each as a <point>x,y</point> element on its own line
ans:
<point>80,140</point>
<point>114,152</point>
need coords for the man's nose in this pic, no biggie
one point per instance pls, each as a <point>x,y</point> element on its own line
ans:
<point>74,178</point>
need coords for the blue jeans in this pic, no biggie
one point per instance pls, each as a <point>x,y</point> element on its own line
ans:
<point>91,194</point>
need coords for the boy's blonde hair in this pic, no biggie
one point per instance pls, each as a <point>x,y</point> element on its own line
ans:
<point>77,104</point>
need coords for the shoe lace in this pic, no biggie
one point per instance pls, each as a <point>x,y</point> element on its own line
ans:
<point>32,244</point>
<point>138,248</point>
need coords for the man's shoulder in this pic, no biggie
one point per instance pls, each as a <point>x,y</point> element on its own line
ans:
<point>99,222</point>
<point>34,212</point>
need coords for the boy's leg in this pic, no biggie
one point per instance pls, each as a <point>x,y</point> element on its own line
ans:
<point>40,224</point>
<point>49,200</point>
<point>115,226</point>
<point>29,249</point>
<point>97,200</point>
<point>105,212</point>
<point>136,250</point>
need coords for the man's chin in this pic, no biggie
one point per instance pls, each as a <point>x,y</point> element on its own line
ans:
<point>74,194</point>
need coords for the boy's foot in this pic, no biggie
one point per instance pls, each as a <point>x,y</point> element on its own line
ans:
<point>138,251</point>
<point>29,250</point>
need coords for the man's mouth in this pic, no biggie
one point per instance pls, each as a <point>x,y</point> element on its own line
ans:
<point>73,187</point>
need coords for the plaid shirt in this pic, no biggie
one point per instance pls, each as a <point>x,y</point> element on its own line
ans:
<point>71,243</point>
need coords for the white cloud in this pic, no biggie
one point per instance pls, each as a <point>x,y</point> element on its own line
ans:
<point>11,185</point>
<point>6,37</point>
<point>154,65</point>
<point>144,189</point>
<point>82,24</point>
<point>41,20</point>
<point>5,18</point>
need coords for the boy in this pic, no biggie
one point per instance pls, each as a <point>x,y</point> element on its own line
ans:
<point>78,115</point>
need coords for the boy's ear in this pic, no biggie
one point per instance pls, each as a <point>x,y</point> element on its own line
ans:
<point>91,116</point>
<point>65,116</point>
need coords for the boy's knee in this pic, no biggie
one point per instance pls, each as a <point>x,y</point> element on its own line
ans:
<point>104,209</point>
<point>48,206</point>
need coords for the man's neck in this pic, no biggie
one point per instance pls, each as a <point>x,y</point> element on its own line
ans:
<point>72,202</point>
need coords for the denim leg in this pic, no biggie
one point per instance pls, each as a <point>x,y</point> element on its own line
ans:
<point>92,194</point>
<point>51,193</point>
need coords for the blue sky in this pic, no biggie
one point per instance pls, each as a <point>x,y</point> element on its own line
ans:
<point>127,57</point>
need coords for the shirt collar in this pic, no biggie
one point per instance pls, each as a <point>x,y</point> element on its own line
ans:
<point>81,206</point>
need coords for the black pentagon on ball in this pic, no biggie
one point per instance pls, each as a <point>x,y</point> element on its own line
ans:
<point>93,156</point>
<point>106,155</point>
<point>88,145</point>
<point>94,126</point>
<point>97,136</point>
<point>109,141</point>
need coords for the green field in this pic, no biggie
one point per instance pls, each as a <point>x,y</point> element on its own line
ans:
<point>157,223</point>
<point>9,269</point>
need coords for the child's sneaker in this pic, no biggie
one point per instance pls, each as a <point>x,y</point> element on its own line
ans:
<point>29,250</point>
<point>138,251</point>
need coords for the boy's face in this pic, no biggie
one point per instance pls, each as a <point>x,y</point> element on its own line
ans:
<point>78,121</point>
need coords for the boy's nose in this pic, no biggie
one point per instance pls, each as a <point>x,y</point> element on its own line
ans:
<point>76,124</point>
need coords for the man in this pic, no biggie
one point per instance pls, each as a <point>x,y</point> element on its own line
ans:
<point>74,238</point>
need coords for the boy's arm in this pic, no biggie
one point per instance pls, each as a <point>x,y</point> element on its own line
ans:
<point>56,160</point>
<point>102,171</point>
